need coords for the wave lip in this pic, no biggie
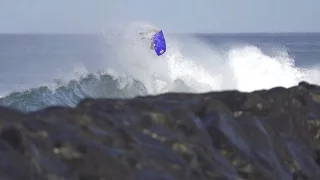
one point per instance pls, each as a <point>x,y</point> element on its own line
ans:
<point>90,86</point>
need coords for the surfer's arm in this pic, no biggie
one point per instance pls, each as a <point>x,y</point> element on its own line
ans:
<point>144,37</point>
<point>152,30</point>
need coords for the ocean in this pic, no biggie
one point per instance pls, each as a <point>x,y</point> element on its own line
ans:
<point>40,70</point>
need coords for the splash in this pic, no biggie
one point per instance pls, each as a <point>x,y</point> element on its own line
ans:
<point>204,67</point>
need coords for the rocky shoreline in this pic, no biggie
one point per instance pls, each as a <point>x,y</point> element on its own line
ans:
<point>262,135</point>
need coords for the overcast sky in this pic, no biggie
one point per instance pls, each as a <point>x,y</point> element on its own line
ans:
<point>89,16</point>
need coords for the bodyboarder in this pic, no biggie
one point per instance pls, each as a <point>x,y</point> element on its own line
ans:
<point>145,36</point>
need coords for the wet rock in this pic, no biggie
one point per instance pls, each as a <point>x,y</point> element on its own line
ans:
<point>262,135</point>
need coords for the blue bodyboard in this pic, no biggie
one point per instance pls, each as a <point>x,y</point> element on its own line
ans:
<point>160,46</point>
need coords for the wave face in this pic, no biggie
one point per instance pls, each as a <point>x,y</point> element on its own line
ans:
<point>192,64</point>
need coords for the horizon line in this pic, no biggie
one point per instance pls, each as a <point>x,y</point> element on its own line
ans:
<point>97,33</point>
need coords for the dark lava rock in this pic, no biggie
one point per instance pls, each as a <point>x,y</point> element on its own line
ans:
<point>263,135</point>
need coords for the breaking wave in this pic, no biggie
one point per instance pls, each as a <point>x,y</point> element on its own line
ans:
<point>190,65</point>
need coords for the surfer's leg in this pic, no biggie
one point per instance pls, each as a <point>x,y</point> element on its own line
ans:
<point>152,42</point>
<point>152,46</point>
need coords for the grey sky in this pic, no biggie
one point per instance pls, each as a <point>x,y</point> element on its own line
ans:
<point>82,16</point>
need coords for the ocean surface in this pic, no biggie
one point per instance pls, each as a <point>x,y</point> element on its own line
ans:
<point>39,70</point>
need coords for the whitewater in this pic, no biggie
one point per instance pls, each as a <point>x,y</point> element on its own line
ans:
<point>190,64</point>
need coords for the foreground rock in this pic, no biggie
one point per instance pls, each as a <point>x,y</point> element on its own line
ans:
<point>262,135</point>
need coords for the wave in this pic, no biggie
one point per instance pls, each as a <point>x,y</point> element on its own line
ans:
<point>190,65</point>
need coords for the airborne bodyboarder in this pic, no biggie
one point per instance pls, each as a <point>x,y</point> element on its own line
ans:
<point>154,32</point>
